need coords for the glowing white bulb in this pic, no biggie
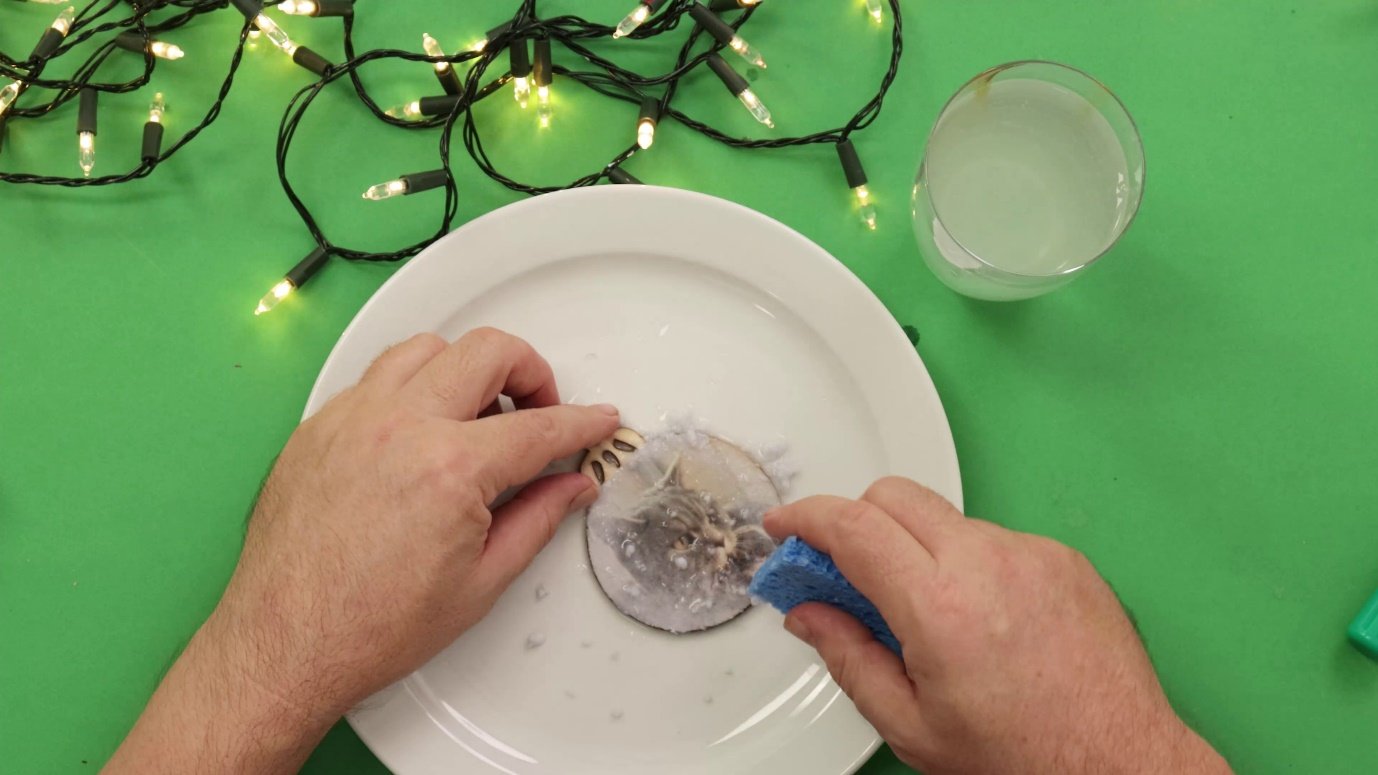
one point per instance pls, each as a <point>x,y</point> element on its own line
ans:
<point>479,45</point>
<point>409,110</point>
<point>48,2</point>
<point>521,90</point>
<point>757,108</point>
<point>298,7</point>
<point>876,10</point>
<point>165,50</point>
<point>386,190</point>
<point>543,109</point>
<point>745,51</point>
<point>645,133</point>
<point>86,144</point>
<point>865,208</point>
<point>254,35</point>
<point>157,108</point>
<point>433,49</point>
<point>8,95</point>
<point>635,19</point>
<point>63,22</point>
<point>275,34</point>
<point>279,292</point>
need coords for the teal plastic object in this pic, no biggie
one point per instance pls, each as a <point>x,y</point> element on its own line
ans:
<point>1363,631</point>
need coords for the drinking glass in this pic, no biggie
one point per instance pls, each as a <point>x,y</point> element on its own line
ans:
<point>1032,172</point>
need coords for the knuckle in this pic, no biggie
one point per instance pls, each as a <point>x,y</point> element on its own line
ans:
<point>542,427</point>
<point>484,337</point>
<point>855,519</point>
<point>427,341</point>
<point>895,484</point>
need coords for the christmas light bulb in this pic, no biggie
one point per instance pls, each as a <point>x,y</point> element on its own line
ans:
<point>865,208</point>
<point>279,292</point>
<point>386,190</point>
<point>411,110</point>
<point>63,22</point>
<point>543,109</point>
<point>170,51</point>
<point>275,34</point>
<point>521,90</point>
<point>48,2</point>
<point>635,19</point>
<point>745,51</point>
<point>433,49</point>
<point>157,108</point>
<point>757,108</point>
<point>875,8</point>
<point>86,146</point>
<point>646,122</point>
<point>8,95</point>
<point>295,278</point>
<point>855,175</point>
<point>298,7</point>
<point>413,183</point>
<point>254,35</point>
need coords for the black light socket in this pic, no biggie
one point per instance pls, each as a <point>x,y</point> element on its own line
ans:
<point>733,80</point>
<point>650,110</point>
<point>334,8</point>
<point>311,60</point>
<point>518,59</point>
<point>153,141</point>
<point>307,267</point>
<point>496,32</point>
<point>47,44</point>
<point>438,106</point>
<point>424,181</point>
<point>86,110</point>
<point>541,65</point>
<point>851,164</point>
<point>250,8</point>
<point>617,175</point>
<point>728,5</point>
<point>712,23</point>
<point>133,41</point>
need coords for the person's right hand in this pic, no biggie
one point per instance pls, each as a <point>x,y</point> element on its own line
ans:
<point>1018,657</point>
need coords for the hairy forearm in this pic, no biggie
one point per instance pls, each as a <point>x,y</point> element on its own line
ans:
<point>218,710</point>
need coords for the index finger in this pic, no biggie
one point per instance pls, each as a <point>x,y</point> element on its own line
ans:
<point>519,445</point>
<point>873,551</point>
<point>469,374</point>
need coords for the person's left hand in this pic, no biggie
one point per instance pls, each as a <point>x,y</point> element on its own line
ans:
<point>373,545</point>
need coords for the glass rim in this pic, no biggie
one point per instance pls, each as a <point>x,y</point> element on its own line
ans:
<point>1138,140</point>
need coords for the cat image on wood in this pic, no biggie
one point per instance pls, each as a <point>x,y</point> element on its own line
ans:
<point>676,533</point>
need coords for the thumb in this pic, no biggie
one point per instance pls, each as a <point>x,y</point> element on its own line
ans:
<point>524,525</point>
<point>866,670</point>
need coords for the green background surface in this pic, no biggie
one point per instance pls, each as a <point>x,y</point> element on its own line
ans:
<point>1197,414</point>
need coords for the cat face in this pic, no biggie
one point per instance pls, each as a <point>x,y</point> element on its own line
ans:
<point>681,534</point>
<point>675,534</point>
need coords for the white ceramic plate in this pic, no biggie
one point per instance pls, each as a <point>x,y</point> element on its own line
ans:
<point>666,303</point>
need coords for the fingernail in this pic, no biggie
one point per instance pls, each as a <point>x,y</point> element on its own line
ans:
<point>797,629</point>
<point>586,498</point>
<point>607,409</point>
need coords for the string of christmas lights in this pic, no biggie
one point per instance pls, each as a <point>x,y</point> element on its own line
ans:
<point>519,52</point>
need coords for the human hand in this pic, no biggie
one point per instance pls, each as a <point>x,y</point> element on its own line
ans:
<point>1018,657</point>
<point>372,545</point>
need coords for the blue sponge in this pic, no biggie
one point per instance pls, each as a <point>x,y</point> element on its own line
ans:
<point>798,573</point>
